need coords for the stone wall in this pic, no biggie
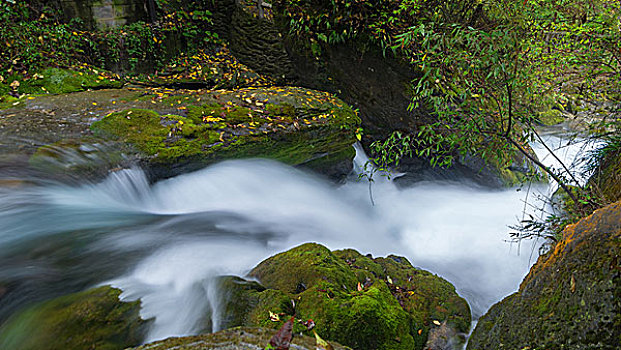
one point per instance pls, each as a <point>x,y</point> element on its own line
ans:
<point>103,14</point>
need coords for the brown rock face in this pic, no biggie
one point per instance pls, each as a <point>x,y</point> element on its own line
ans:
<point>243,338</point>
<point>571,299</point>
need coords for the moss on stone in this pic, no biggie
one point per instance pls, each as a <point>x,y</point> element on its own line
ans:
<point>229,114</point>
<point>550,117</point>
<point>607,176</point>
<point>246,302</point>
<point>359,301</point>
<point>94,319</point>
<point>426,296</point>
<point>7,101</point>
<point>283,110</point>
<point>304,128</point>
<point>304,266</point>
<point>569,299</point>
<point>166,139</point>
<point>60,81</point>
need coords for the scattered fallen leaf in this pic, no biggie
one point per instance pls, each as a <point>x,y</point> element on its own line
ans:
<point>274,317</point>
<point>322,344</point>
<point>359,287</point>
<point>572,284</point>
<point>282,339</point>
<point>437,323</point>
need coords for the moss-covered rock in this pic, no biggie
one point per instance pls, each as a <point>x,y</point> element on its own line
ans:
<point>7,101</point>
<point>365,303</point>
<point>60,81</point>
<point>571,299</point>
<point>293,125</point>
<point>94,319</point>
<point>242,338</point>
<point>607,176</point>
<point>247,302</point>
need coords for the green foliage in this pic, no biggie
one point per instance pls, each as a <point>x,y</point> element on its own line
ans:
<point>336,21</point>
<point>30,40</point>
<point>34,38</point>
<point>190,19</point>
<point>608,131</point>
<point>486,81</point>
<point>135,43</point>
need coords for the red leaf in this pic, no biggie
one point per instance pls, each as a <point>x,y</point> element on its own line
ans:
<point>282,339</point>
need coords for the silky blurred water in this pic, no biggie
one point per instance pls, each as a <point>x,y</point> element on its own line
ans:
<point>165,243</point>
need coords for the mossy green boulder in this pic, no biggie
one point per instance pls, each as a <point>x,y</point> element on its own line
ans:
<point>358,301</point>
<point>248,302</point>
<point>94,319</point>
<point>296,126</point>
<point>571,297</point>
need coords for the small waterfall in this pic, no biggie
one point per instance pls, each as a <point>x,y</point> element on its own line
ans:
<point>166,243</point>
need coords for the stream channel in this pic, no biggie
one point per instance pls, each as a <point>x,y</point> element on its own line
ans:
<point>164,243</point>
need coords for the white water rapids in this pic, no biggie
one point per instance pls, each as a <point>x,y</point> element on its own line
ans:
<point>166,242</point>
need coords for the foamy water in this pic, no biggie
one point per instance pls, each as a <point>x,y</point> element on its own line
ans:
<point>181,233</point>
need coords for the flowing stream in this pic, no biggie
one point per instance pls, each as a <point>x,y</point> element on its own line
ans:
<point>164,243</point>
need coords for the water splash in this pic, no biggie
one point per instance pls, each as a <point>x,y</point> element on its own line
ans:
<point>168,241</point>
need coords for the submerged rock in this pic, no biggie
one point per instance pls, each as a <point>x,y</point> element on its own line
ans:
<point>365,303</point>
<point>94,319</point>
<point>571,299</point>
<point>242,338</point>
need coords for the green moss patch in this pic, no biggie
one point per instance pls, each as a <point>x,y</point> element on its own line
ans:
<point>94,319</point>
<point>60,81</point>
<point>550,117</point>
<point>361,302</point>
<point>292,125</point>
<point>164,138</point>
<point>569,299</point>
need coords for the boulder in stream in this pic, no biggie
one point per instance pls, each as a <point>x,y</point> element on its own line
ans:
<point>173,131</point>
<point>296,126</point>
<point>94,319</point>
<point>571,299</point>
<point>356,300</point>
